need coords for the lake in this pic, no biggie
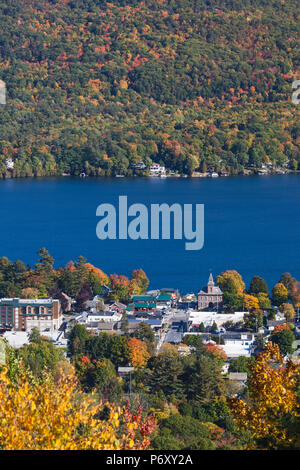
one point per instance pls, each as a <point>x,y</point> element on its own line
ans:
<point>252,224</point>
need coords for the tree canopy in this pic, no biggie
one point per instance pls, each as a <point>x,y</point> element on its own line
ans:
<point>97,87</point>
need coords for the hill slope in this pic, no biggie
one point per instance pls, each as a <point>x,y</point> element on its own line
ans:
<point>97,87</point>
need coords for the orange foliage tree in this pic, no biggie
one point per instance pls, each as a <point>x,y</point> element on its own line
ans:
<point>103,278</point>
<point>216,350</point>
<point>138,353</point>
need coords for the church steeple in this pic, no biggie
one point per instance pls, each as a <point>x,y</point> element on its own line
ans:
<point>211,284</point>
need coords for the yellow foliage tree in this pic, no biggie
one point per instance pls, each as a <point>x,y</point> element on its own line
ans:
<point>251,302</point>
<point>57,416</point>
<point>273,401</point>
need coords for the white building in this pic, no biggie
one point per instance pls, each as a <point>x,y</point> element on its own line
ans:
<point>208,318</point>
<point>94,317</point>
<point>157,170</point>
<point>9,164</point>
<point>238,344</point>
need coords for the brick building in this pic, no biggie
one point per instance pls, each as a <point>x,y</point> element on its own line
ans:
<point>211,296</point>
<point>24,314</point>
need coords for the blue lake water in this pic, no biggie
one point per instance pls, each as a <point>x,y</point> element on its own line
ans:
<point>252,224</point>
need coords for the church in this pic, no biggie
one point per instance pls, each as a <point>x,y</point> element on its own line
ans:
<point>210,297</point>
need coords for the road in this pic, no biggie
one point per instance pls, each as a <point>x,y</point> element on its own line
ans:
<point>172,335</point>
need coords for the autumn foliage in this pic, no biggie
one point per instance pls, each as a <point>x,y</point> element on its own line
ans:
<point>216,350</point>
<point>273,401</point>
<point>138,352</point>
<point>48,416</point>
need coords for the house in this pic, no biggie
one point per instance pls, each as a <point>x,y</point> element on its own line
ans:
<point>106,327</point>
<point>134,322</point>
<point>9,164</point>
<point>117,307</point>
<point>107,316</point>
<point>157,170</point>
<point>240,378</point>
<point>139,166</point>
<point>24,314</point>
<point>189,298</point>
<point>210,296</point>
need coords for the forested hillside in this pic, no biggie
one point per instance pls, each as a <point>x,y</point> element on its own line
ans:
<point>97,87</point>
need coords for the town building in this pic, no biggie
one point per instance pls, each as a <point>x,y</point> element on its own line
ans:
<point>150,303</point>
<point>209,318</point>
<point>25,314</point>
<point>238,344</point>
<point>210,296</point>
<point>134,322</point>
<point>107,316</point>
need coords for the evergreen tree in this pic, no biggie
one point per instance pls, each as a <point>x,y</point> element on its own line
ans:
<point>258,284</point>
<point>203,380</point>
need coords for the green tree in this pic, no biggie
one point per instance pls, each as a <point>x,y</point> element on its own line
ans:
<point>254,320</point>
<point>240,364</point>
<point>287,310</point>
<point>44,269</point>
<point>183,432</point>
<point>35,336</point>
<point>258,284</point>
<point>279,294</point>
<point>77,338</point>
<point>40,356</point>
<point>166,375</point>
<point>99,375</point>
<point>284,339</point>
<point>203,379</point>
<point>125,324</point>
<point>264,301</point>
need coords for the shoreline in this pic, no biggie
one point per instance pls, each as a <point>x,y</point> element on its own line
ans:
<point>199,176</point>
